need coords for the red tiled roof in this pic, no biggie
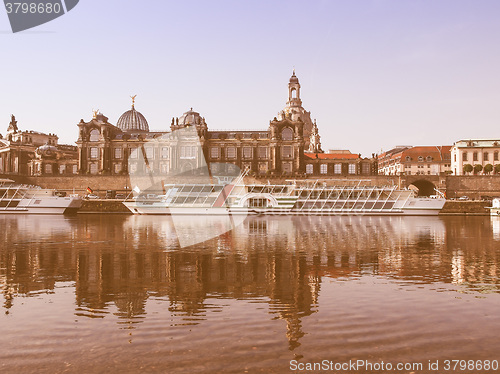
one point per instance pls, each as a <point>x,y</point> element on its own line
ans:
<point>332,156</point>
<point>436,152</point>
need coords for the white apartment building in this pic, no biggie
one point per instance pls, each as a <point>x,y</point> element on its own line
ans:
<point>476,152</point>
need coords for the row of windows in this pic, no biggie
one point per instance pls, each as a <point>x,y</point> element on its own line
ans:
<point>117,168</point>
<point>337,169</point>
<point>248,152</point>
<point>49,169</point>
<point>286,134</point>
<point>94,153</point>
<point>191,152</point>
<point>420,158</point>
<point>185,152</point>
<point>263,167</point>
<point>475,156</point>
<point>246,135</point>
<point>428,166</point>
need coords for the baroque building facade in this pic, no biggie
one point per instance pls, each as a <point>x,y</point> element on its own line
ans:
<point>129,147</point>
<point>35,153</point>
<point>290,146</point>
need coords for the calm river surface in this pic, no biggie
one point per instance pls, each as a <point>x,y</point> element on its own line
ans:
<point>117,294</point>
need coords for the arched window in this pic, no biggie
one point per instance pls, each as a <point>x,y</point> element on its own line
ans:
<point>429,158</point>
<point>408,158</point>
<point>420,159</point>
<point>95,135</point>
<point>294,93</point>
<point>287,134</point>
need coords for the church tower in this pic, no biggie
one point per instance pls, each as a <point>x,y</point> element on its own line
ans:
<point>294,92</point>
<point>294,110</point>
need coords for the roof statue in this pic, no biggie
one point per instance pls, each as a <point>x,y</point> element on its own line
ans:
<point>12,125</point>
<point>133,100</point>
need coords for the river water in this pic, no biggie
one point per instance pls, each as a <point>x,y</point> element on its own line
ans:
<point>118,294</point>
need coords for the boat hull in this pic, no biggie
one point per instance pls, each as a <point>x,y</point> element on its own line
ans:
<point>46,205</point>
<point>159,209</point>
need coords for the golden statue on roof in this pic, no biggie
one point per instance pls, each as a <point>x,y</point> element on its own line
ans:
<point>133,100</point>
<point>95,112</point>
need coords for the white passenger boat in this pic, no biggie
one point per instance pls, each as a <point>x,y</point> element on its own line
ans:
<point>295,198</point>
<point>18,198</point>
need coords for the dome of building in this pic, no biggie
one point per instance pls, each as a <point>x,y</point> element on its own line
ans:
<point>132,120</point>
<point>293,78</point>
<point>46,151</point>
<point>190,118</point>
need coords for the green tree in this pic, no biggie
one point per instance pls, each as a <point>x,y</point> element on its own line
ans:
<point>497,168</point>
<point>468,168</point>
<point>488,168</point>
<point>478,168</point>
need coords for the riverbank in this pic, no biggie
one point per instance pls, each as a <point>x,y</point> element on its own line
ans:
<point>452,207</point>
<point>103,206</point>
<point>475,208</point>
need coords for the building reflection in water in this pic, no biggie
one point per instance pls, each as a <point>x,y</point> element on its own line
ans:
<point>118,263</point>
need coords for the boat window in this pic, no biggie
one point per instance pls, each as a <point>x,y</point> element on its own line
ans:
<point>257,203</point>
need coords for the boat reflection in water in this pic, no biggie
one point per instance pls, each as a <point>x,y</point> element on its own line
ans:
<point>495,224</point>
<point>350,273</point>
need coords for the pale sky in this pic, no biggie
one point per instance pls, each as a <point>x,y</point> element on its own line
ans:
<point>375,74</point>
